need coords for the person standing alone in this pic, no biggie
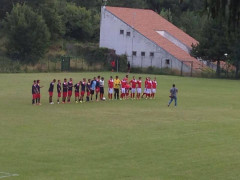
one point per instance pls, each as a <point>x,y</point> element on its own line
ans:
<point>173,95</point>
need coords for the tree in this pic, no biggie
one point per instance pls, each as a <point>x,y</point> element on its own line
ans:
<point>192,23</point>
<point>213,43</point>
<point>27,33</point>
<point>78,22</point>
<point>7,5</point>
<point>236,56</point>
<point>234,53</point>
<point>225,8</point>
<point>88,4</point>
<point>128,3</point>
<point>229,9</point>
<point>166,13</point>
<point>53,19</point>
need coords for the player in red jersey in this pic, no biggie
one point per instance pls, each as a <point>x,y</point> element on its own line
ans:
<point>145,88</point>
<point>34,92</point>
<point>127,88</point>
<point>59,89</point>
<point>154,87</point>
<point>83,89</point>
<point>50,91</point>
<point>139,87</point>
<point>110,87</point>
<point>123,88</point>
<point>126,78</point>
<point>65,91</point>
<point>76,87</point>
<point>70,86</point>
<point>133,83</point>
<point>149,88</point>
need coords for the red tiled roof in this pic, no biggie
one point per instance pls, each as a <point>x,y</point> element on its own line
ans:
<point>147,22</point>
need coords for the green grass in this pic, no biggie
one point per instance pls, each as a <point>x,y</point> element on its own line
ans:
<point>200,139</point>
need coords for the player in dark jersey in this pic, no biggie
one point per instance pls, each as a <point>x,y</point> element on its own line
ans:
<point>97,87</point>
<point>70,86</point>
<point>38,98</point>
<point>34,92</point>
<point>59,89</point>
<point>101,88</point>
<point>83,89</point>
<point>65,90</point>
<point>88,89</point>
<point>50,91</point>
<point>77,86</point>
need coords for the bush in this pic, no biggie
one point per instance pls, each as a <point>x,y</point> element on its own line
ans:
<point>95,56</point>
<point>154,70</point>
<point>122,63</point>
<point>9,66</point>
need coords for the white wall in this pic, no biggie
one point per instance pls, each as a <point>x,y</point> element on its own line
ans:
<point>111,38</point>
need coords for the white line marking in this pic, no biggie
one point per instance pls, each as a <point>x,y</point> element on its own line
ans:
<point>5,175</point>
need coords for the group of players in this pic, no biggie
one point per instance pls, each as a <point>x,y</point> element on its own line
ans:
<point>88,88</point>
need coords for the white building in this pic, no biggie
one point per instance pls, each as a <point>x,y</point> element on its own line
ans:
<point>147,39</point>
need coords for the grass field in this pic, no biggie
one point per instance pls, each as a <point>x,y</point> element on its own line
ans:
<point>200,139</point>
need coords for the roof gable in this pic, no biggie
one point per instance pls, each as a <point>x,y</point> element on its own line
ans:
<point>148,22</point>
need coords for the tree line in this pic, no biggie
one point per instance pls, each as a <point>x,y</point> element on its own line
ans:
<point>29,27</point>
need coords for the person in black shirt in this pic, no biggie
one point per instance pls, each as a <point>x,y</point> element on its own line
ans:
<point>88,89</point>
<point>50,91</point>
<point>77,86</point>
<point>38,93</point>
<point>70,86</point>
<point>65,90</point>
<point>83,89</point>
<point>34,92</point>
<point>101,88</point>
<point>59,89</point>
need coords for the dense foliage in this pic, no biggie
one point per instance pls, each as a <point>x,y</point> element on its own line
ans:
<point>28,35</point>
<point>79,21</point>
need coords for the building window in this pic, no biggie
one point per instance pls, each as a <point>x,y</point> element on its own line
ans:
<point>142,53</point>
<point>121,31</point>
<point>128,33</point>
<point>151,54</point>
<point>134,53</point>
<point>167,61</point>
